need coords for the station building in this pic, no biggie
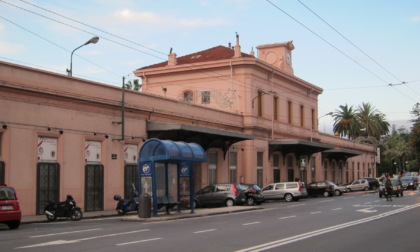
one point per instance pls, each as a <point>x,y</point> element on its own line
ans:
<point>256,121</point>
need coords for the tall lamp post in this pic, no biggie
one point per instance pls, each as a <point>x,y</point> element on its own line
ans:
<point>93,40</point>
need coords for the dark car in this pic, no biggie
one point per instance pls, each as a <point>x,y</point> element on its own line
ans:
<point>397,190</point>
<point>226,194</point>
<point>322,188</point>
<point>373,183</point>
<point>10,213</point>
<point>253,194</point>
<point>409,183</point>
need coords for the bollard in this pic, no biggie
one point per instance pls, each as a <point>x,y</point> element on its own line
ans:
<point>145,206</point>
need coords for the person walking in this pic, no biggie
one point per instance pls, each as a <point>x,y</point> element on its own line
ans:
<point>388,188</point>
<point>402,174</point>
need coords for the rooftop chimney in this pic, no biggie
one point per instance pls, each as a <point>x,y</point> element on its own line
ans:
<point>172,59</point>
<point>237,49</point>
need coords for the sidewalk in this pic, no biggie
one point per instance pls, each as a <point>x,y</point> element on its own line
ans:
<point>162,216</point>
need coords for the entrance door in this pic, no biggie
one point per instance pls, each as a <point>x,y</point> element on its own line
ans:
<point>48,185</point>
<point>94,187</point>
<point>131,176</point>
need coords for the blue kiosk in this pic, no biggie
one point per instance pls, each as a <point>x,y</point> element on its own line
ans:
<point>157,176</point>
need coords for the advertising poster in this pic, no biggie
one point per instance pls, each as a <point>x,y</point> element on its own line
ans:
<point>130,153</point>
<point>93,151</point>
<point>47,149</point>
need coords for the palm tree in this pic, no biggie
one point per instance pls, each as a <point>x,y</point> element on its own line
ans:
<point>372,122</point>
<point>345,122</point>
<point>133,85</point>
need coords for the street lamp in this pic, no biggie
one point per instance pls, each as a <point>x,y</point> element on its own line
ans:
<point>93,40</point>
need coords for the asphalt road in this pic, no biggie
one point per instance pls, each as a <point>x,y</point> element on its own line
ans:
<point>352,222</point>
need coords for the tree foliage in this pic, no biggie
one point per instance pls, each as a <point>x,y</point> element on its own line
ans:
<point>133,85</point>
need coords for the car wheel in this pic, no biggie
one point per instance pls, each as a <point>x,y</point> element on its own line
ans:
<point>13,224</point>
<point>250,201</point>
<point>366,188</point>
<point>229,202</point>
<point>325,194</point>
<point>348,190</point>
<point>337,193</point>
<point>288,197</point>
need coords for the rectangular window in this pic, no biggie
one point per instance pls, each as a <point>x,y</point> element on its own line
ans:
<point>212,167</point>
<point>313,168</point>
<point>259,103</point>
<point>325,169</point>
<point>260,169</point>
<point>289,112</point>
<point>302,115</point>
<point>275,108</point>
<point>2,173</point>
<point>232,167</point>
<point>313,118</point>
<point>205,97</point>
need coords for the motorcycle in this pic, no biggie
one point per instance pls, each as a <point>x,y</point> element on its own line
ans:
<point>124,206</point>
<point>66,208</point>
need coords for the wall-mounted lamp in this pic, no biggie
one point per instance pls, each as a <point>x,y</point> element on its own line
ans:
<point>60,131</point>
<point>106,136</point>
<point>4,125</point>
<point>49,128</point>
<point>136,137</point>
<point>94,133</point>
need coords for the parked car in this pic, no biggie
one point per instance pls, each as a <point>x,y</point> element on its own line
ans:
<point>285,190</point>
<point>10,213</point>
<point>373,183</point>
<point>358,185</point>
<point>339,190</point>
<point>397,190</point>
<point>409,183</point>
<point>322,188</point>
<point>226,194</point>
<point>253,194</point>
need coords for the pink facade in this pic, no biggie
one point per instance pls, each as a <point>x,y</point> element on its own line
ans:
<point>72,127</point>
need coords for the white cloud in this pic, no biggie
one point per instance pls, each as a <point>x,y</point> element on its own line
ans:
<point>9,48</point>
<point>146,17</point>
<point>415,19</point>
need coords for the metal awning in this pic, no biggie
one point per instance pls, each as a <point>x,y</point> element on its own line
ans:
<point>340,154</point>
<point>299,147</point>
<point>205,137</point>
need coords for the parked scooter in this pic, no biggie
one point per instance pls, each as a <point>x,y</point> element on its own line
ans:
<point>63,209</point>
<point>124,206</point>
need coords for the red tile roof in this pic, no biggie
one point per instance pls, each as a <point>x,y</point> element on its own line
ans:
<point>212,54</point>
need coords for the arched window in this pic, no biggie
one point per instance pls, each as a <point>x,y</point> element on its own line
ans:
<point>188,96</point>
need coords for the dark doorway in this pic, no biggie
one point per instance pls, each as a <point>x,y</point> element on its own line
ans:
<point>48,185</point>
<point>94,187</point>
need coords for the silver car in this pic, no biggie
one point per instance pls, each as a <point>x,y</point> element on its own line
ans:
<point>358,185</point>
<point>285,190</point>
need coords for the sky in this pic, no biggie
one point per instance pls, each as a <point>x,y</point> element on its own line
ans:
<point>357,51</point>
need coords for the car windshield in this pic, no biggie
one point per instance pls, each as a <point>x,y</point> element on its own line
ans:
<point>7,194</point>
<point>407,179</point>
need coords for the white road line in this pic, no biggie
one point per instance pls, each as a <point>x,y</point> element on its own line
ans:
<point>335,209</point>
<point>281,242</point>
<point>316,212</point>
<point>133,242</point>
<point>348,197</point>
<point>295,205</point>
<point>59,242</point>
<point>287,217</point>
<point>322,201</point>
<point>251,223</point>
<point>72,232</point>
<point>204,231</point>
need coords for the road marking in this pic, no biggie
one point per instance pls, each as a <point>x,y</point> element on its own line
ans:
<point>72,232</point>
<point>128,243</point>
<point>348,197</point>
<point>59,242</point>
<point>251,223</point>
<point>367,210</point>
<point>204,231</point>
<point>335,209</point>
<point>322,201</point>
<point>301,204</point>
<point>287,217</point>
<point>281,242</point>
<point>316,212</point>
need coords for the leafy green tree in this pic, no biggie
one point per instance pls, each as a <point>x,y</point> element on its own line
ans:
<point>415,134</point>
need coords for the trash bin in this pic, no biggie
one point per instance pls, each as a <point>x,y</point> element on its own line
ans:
<point>145,206</point>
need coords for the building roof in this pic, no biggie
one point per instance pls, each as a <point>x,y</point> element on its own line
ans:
<point>212,54</point>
